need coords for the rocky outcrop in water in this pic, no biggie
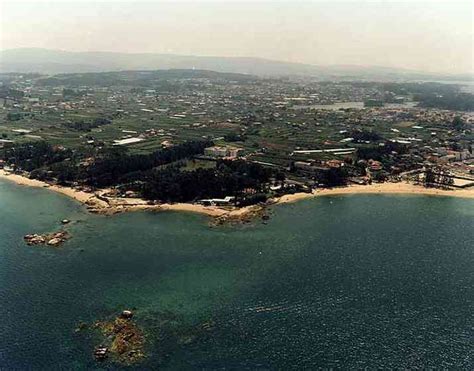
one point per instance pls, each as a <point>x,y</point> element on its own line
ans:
<point>124,341</point>
<point>51,239</point>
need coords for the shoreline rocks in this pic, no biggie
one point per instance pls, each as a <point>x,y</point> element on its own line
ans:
<point>247,217</point>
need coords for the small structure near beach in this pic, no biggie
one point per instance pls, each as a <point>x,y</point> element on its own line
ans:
<point>228,200</point>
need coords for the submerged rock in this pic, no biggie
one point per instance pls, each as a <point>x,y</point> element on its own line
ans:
<point>81,326</point>
<point>186,339</point>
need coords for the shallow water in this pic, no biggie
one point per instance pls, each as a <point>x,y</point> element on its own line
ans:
<point>342,281</point>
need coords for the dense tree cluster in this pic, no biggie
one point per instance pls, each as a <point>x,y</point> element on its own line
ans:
<point>234,137</point>
<point>333,177</point>
<point>380,153</point>
<point>73,93</point>
<point>365,135</point>
<point>455,102</point>
<point>111,167</point>
<point>88,125</point>
<point>422,88</point>
<point>7,92</point>
<point>228,178</point>
<point>458,123</point>
<point>406,88</point>
<point>428,94</point>
<point>116,166</point>
<point>31,156</point>
<point>14,116</point>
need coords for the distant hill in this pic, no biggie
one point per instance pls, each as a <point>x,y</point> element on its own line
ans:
<point>56,61</point>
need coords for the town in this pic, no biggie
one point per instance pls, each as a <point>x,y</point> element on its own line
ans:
<point>231,139</point>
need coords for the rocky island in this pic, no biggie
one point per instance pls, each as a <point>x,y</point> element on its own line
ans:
<point>123,340</point>
<point>55,239</point>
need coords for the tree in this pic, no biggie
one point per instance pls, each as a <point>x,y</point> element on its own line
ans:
<point>233,137</point>
<point>13,116</point>
<point>458,123</point>
<point>430,178</point>
<point>280,176</point>
<point>380,176</point>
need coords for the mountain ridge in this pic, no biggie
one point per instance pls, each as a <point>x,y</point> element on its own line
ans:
<point>50,61</point>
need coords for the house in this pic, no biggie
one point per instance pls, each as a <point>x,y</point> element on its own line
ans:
<point>222,152</point>
<point>166,144</point>
<point>123,142</point>
<point>217,201</point>
<point>456,155</point>
<point>336,164</point>
<point>5,143</point>
<point>375,166</point>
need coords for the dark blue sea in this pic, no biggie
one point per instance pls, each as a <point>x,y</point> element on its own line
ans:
<point>343,282</point>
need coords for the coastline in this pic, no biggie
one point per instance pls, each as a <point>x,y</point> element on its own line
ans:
<point>80,196</point>
<point>98,204</point>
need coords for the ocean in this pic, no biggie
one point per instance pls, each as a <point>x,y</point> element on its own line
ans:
<point>352,281</point>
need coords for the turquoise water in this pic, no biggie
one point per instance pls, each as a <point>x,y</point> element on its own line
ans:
<point>343,282</point>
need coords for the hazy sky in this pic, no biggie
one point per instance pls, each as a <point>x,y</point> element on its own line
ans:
<point>435,36</point>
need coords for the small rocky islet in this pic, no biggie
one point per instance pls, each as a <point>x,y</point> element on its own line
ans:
<point>122,341</point>
<point>54,239</point>
<point>124,338</point>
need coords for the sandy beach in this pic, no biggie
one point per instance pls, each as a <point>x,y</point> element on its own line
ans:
<point>379,188</point>
<point>112,205</point>
<point>83,197</point>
